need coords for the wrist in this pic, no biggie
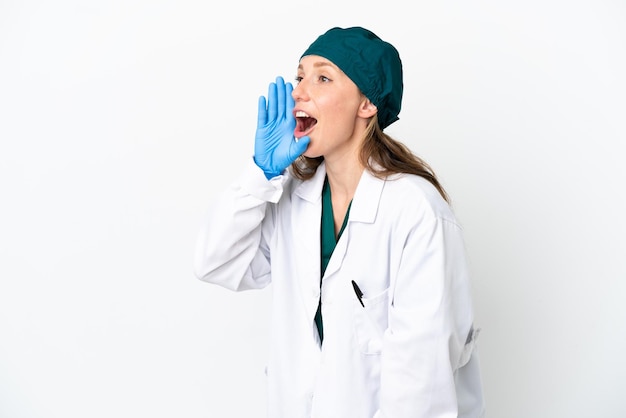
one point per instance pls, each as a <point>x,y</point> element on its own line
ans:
<point>269,173</point>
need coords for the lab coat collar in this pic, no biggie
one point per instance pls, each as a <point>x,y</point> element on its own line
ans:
<point>364,203</point>
<point>311,190</point>
<point>366,198</point>
<point>364,208</point>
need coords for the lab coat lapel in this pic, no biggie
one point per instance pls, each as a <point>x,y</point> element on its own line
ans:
<point>306,216</point>
<point>363,209</point>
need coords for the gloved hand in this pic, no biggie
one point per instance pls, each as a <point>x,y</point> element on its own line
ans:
<point>275,146</point>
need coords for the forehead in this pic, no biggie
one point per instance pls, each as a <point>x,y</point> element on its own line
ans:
<point>315,61</point>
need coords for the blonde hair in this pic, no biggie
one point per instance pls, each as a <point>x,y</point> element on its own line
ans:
<point>381,155</point>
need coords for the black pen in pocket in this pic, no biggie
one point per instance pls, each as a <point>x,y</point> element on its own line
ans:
<point>358,292</point>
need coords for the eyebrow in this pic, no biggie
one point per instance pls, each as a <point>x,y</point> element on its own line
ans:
<point>318,64</point>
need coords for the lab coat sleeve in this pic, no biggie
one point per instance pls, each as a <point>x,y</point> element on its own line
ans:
<point>232,245</point>
<point>430,318</point>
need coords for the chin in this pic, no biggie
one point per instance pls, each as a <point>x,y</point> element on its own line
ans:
<point>311,154</point>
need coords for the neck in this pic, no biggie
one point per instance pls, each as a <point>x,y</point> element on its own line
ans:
<point>343,166</point>
<point>344,178</point>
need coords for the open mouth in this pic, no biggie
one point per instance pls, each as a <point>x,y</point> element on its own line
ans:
<point>304,124</point>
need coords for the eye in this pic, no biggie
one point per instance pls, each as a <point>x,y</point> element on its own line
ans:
<point>298,79</point>
<point>324,79</point>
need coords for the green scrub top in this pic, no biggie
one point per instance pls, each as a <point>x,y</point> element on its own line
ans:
<point>328,243</point>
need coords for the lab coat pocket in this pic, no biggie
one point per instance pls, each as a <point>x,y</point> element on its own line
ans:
<point>370,322</point>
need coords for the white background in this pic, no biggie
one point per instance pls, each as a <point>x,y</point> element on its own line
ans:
<point>119,120</point>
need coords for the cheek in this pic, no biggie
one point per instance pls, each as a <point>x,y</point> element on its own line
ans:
<point>340,111</point>
<point>341,105</point>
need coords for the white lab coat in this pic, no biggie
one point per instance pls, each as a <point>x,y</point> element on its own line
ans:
<point>410,352</point>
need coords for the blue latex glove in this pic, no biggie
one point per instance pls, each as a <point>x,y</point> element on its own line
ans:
<point>275,146</point>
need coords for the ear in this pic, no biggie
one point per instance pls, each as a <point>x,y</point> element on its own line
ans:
<point>367,109</point>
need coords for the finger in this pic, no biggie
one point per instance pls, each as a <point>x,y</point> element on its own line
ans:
<point>262,113</point>
<point>271,103</point>
<point>290,103</point>
<point>298,146</point>
<point>280,89</point>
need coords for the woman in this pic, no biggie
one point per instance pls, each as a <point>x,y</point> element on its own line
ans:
<point>372,313</point>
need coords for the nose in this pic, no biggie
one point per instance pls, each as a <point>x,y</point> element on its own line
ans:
<point>298,92</point>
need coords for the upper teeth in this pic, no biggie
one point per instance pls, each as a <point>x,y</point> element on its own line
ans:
<point>301,114</point>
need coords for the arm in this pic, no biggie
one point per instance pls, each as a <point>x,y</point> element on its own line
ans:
<point>430,319</point>
<point>232,246</point>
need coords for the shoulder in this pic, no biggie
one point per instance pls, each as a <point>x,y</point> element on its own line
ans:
<point>415,197</point>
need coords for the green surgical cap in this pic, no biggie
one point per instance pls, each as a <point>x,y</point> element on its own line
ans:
<point>371,63</point>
